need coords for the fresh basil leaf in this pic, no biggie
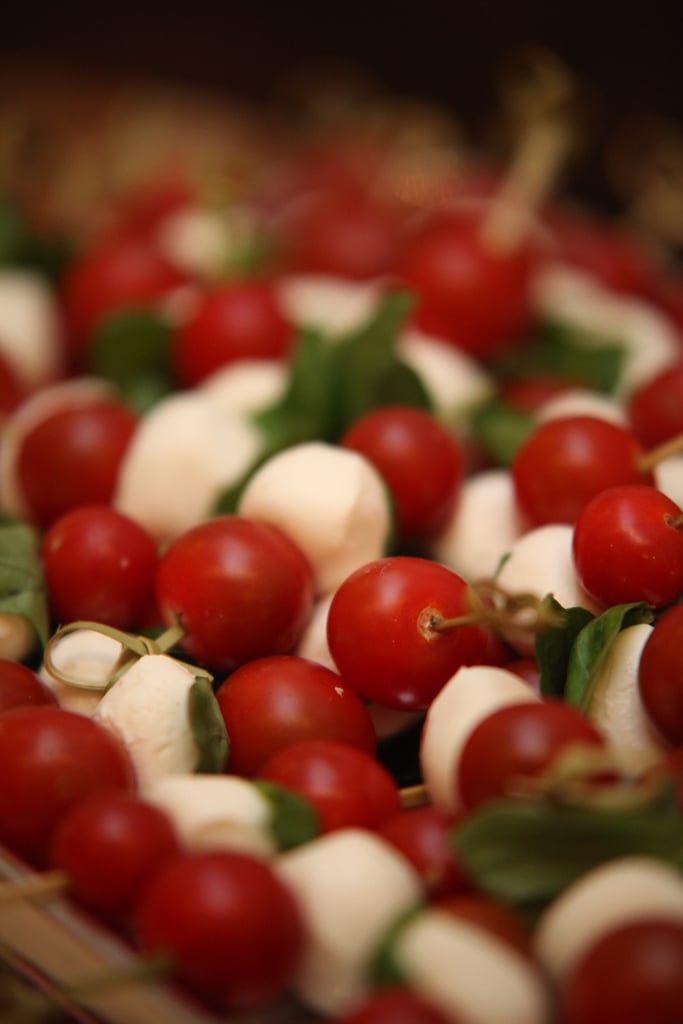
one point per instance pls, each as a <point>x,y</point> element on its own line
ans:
<point>22,584</point>
<point>592,645</point>
<point>383,968</point>
<point>208,728</point>
<point>500,430</point>
<point>294,820</point>
<point>23,247</point>
<point>526,852</point>
<point>553,645</point>
<point>131,349</point>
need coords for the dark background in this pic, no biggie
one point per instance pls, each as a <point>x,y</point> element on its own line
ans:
<point>628,56</point>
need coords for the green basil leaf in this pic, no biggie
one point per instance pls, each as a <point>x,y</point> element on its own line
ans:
<point>527,852</point>
<point>553,645</point>
<point>22,584</point>
<point>294,819</point>
<point>22,247</point>
<point>592,646</point>
<point>208,728</point>
<point>500,430</point>
<point>383,968</point>
<point>131,349</point>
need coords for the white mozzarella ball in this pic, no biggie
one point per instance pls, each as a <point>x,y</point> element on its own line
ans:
<point>31,413</point>
<point>455,382</point>
<point>148,708</point>
<point>469,696</point>
<point>85,655</point>
<point>184,452</point>
<point>540,563</point>
<point>613,894</point>
<point>483,526</point>
<point>246,386</point>
<point>668,476</point>
<point>467,972</point>
<point>333,305</point>
<point>216,812</point>
<point>351,887</point>
<point>329,500</point>
<point>583,402</point>
<point>203,240</point>
<point>616,708</point>
<point>30,327</point>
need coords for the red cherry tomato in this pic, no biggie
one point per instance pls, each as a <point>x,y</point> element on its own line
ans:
<point>347,786</point>
<point>12,391</point>
<point>526,394</point>
<point>72,458</point>
<point>515,742</point>
<point>51,759</point>
<point>396,1006</point>
<point>628,546</point>
<point>421,462</point>
<point>467,291</point>
<point>424,835</point>
<point>21,687</point>
<point>564,462</point>
<point>238,320</point>
<point>109,845</point>
<point>660,675</point>
<point>632,974</point>
<point>232,928</point>
<point>655,409</point>
<point>241,589</point>
<point>272,702</point>
<point>122,270</point>
<point>99,564</point>
<point>382,630</point>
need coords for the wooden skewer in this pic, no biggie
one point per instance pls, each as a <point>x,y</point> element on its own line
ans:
<point>35,887</point>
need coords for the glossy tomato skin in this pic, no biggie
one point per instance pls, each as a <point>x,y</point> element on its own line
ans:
<point>515,742</point>
<point>21,687</point>
<point>421,462</point>
<point>109,845</point>
<point>51,759</point>
<point>389,1005</point>
<point>467,292</point>
<point>655,409</point>
<point>241,589</point>
<point>347,786</point>
<point>72,458</point>
<point>564,462</point>
<point>660,675</point>
<point>626,547</point>
<point>123,269</point>
<point>632,974</point>
<point>238,320</point>
<point>380,634</point>
<point>99,565</point>
<point>233,929</point>
<point>271,702</point>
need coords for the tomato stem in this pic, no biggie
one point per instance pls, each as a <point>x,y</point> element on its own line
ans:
<point>414,796</point>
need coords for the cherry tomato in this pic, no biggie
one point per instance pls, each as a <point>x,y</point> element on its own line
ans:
<point>421,462</point>
<point>383,630</point>
<point>347,786</point>
<point>20,687</point>
<point>241,589</point>
<point>564,462</point>
<point>238,320</point>
<point>467,292</point>
<point>121,270</point>
<point>142,208</point>
<point>528,393</point>
<point>395,1006</point>
<point>269,703</point>
<point>660,675</point>
<point>99,564</point>
<point>631,975</point>
<point>515,742</point>
<point>72,458</point>
<point>628,546</point>
<point>51,759</point>
<point>424,836</point>
<point>232,928</point>
<point>655,409</point>
<point>497,918</point>
<point>12,391</point>
<point>109,845</point>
